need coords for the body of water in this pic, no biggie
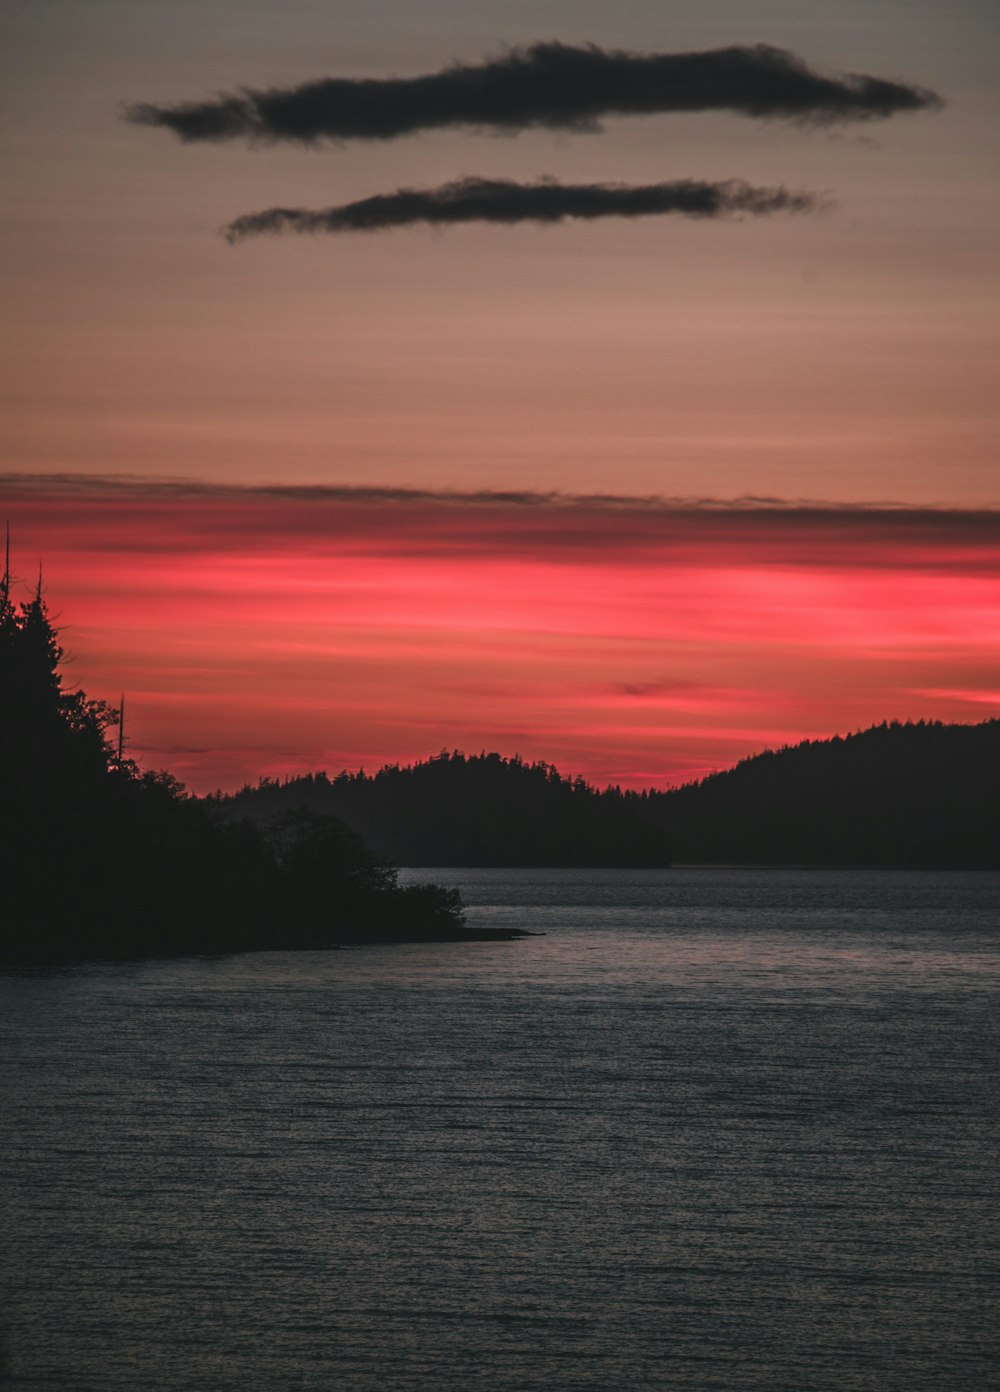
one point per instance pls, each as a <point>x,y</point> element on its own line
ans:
<point>716,1129</point>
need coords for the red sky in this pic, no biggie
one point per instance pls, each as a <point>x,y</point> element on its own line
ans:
<point>268,631</point>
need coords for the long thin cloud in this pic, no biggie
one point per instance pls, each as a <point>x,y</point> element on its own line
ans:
<point>196,516</point>
<point>504,201</point>
<point>553,85</point>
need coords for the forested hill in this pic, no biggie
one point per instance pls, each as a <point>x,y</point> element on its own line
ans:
<point>922,795</point>
<point>475,810</point>
<point>897,794</point>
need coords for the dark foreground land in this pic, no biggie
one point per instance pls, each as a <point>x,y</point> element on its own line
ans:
<point>101,860</point>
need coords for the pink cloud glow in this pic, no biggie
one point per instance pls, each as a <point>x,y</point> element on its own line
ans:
<point>265,631</point>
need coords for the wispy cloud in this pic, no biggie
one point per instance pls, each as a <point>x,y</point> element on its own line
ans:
<point>552,84</point>
<point>505,201</point>
<point>193,516</point>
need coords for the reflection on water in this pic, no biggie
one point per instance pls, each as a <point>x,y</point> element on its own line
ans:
<point>713,1130</point>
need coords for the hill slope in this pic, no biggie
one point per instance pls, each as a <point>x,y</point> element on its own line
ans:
<point>908,795</point>
<point>478,810</point>
<point>922,795</point>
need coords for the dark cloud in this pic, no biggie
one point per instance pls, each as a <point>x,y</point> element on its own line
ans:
<point>504,201</point>
<point>551,84</point>
<point>650,690</point>
<point>110,486</point>
<point>187,517</point>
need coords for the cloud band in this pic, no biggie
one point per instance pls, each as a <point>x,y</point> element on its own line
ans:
<point>554,85</point>
<point>508,202</point>
<point>191,516</point>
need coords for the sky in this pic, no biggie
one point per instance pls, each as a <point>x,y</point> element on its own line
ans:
<point>636,433</point>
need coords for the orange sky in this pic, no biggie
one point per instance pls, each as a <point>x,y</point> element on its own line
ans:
<point>848,355</point>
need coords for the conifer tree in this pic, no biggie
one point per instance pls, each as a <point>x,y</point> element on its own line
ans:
<point>8,631</point>
<point>47,734</point>
<point>99,859</point>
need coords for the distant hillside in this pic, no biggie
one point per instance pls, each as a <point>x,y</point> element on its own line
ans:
<point>924,795</point>
<point>907,795</point>
<point>478,810</point>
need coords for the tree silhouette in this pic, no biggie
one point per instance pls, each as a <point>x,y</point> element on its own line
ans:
<point>921,794</point>
<point>480,809</point>
<point>101,859</point>
<point>51,736</point>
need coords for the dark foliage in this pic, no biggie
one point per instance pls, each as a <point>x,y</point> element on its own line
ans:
<point>478,810</point>
<point>923,795</point>
<point>99,859</point>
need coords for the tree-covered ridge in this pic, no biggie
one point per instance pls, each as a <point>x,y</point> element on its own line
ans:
<point>924,795</point>
<point>480,809</point>
<point>100,859</point>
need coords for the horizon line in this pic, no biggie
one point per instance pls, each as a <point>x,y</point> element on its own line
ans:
<point>886,724</point>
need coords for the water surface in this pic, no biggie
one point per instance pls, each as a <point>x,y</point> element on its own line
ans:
<point>714,1130</point>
